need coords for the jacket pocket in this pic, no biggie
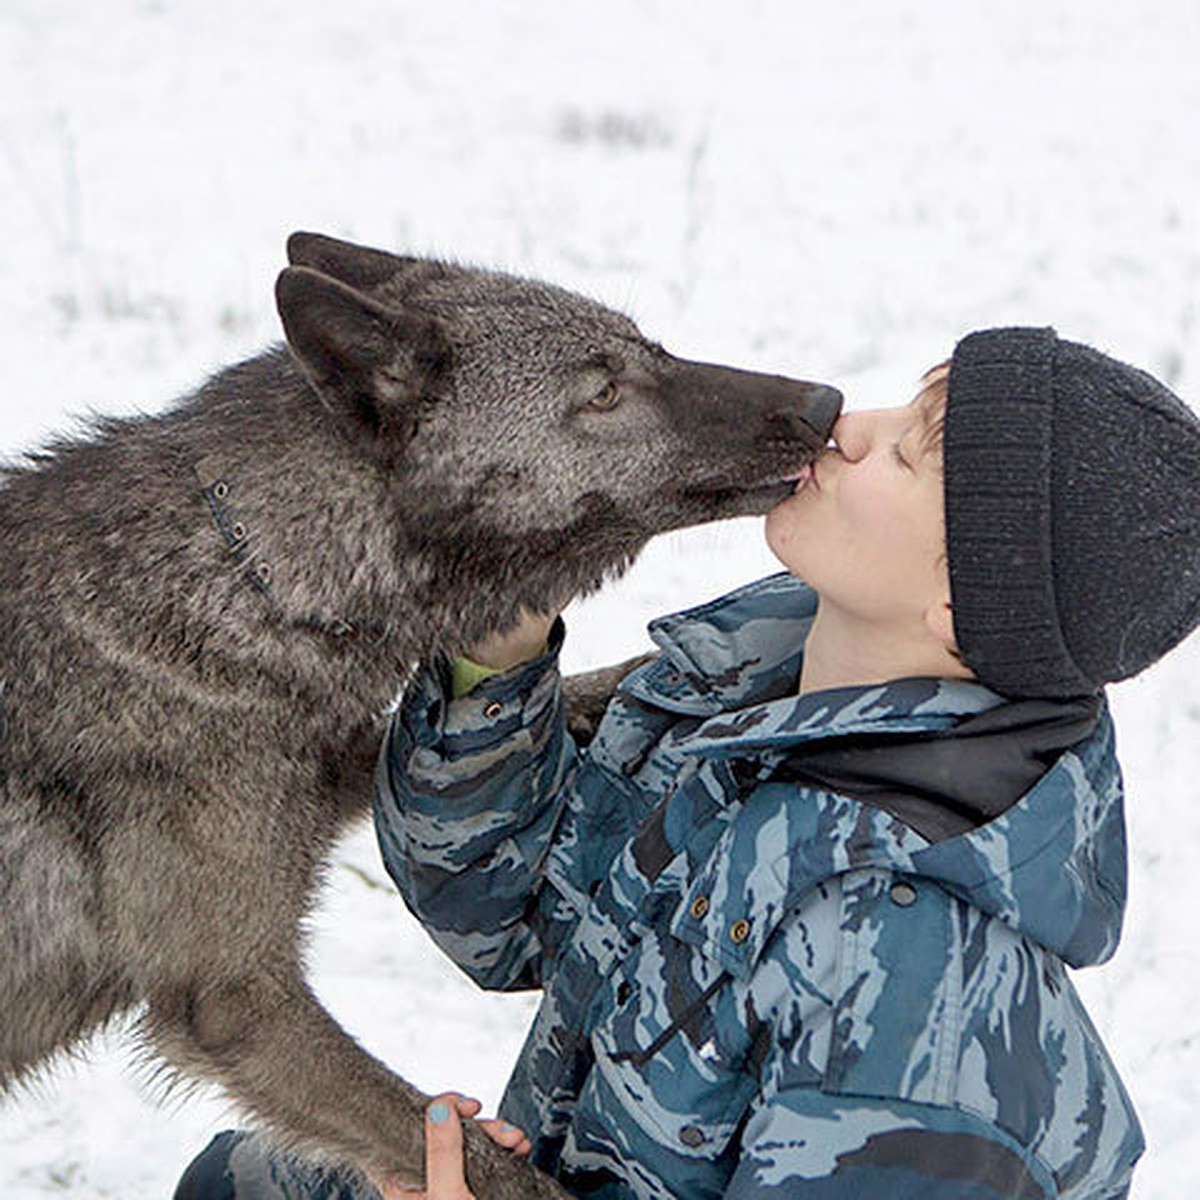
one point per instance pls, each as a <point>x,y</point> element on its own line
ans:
<point>669,1062</point>
<point>896,1020</point>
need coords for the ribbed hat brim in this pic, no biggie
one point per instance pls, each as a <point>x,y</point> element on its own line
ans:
<point>999,535</point>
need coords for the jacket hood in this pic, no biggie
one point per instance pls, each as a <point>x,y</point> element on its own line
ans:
<point>1051,865</point>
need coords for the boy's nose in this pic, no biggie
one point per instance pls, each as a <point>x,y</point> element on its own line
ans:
<point>851,436</point>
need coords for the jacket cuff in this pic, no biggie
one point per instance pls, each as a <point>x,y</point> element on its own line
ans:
<point>466,675</point>
<point>431,714</point>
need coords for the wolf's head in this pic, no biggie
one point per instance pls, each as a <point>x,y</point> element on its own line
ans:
<point>535,438</point>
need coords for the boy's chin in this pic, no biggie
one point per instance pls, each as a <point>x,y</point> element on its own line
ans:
<point>778,543</point>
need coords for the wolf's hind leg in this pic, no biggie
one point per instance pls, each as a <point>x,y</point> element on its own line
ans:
<point>51,1012</point>
<point>57,984</point>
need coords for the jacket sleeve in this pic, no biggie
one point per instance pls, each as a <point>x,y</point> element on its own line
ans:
<point>809,1144</point>
<point>468,794</point>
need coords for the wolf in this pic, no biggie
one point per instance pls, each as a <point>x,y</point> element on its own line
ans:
<point>205,614</point>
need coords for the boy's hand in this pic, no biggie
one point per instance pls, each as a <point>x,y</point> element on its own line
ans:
<point>445,1177</point>
<point>527,641</point>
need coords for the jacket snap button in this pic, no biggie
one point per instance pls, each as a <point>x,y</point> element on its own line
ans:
<point>693,1136</point>
<point>903,894</point>
<point>493,710</point>
<point>699,907</point>
<point>739,931</point>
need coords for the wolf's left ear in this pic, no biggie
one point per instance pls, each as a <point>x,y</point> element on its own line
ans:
<point>359,267</point>
<point>363,359</point>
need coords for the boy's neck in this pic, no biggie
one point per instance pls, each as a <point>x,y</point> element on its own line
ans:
<point>844,651</point>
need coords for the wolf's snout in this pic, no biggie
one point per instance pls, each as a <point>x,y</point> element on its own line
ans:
<point>822,405</point>
<point>795,408</point>
<point>806,412</point>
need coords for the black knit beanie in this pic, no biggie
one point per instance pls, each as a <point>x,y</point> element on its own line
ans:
<point>1072,486</point>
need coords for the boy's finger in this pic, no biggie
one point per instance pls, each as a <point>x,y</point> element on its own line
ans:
<point>445,1177</point>
<point>508,1136</point>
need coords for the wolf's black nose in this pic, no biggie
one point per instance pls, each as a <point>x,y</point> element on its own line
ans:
<point>822,407</point>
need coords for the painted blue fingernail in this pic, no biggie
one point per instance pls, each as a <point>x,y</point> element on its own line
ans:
<point>439,1113</point>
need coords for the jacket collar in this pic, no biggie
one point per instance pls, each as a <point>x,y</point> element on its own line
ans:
<point>740,648</point>
<point>735,662</point>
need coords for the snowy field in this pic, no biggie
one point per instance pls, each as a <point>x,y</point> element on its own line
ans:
<point>837,190</point>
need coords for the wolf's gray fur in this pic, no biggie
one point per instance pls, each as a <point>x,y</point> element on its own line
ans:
<point>204,613</point>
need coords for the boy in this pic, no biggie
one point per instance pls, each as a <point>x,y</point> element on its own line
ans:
<point>801,911</point>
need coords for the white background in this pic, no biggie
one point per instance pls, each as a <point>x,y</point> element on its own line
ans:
<point>833,190</point>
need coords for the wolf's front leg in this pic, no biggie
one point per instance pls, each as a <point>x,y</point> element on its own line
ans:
<point>267,1041</point>
<point>277,1053</point>
<point>587,695</point>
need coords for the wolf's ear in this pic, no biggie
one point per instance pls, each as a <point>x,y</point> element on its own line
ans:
<point>367,360</point>
<point>358,266</point>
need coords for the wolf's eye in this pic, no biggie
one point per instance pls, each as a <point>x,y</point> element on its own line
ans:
<point>607,398</point>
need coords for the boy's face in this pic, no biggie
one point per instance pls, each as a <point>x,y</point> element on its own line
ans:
<point>867,529</point>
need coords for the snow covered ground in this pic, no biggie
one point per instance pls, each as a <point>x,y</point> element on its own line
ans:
<point>832,190</point>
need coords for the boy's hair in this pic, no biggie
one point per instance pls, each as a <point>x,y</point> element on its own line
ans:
<point>1072,488</point>
<point>934,393</point>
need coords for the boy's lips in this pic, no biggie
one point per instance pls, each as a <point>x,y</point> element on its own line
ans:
<point>807,476</point>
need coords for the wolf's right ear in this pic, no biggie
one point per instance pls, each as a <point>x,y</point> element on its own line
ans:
<point>369,361</point>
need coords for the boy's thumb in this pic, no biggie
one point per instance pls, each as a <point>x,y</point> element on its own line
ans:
<point>444,1172</point>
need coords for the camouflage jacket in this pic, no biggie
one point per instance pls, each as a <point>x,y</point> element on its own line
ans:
<point>752,985</point>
